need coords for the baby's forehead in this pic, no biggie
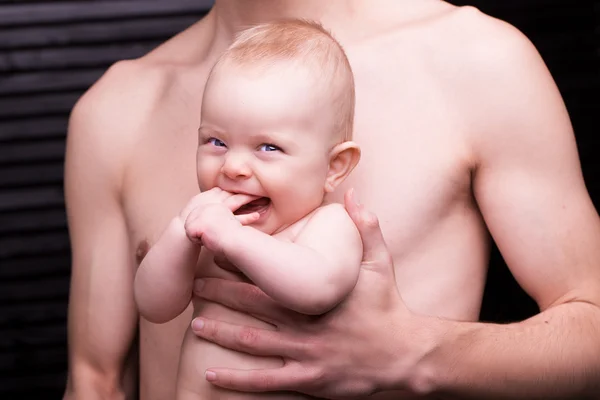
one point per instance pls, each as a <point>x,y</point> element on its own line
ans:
<point>303,83</point>
<point>274,69</point>
<point>310,96</point>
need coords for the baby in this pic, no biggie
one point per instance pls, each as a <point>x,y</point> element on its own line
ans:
<point>274,141</point>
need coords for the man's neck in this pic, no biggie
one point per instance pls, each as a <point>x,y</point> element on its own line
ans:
<point>348,20</point>
<point>231,16</point>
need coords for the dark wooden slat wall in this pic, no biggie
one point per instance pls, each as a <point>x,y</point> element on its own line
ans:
<point>50,52</point>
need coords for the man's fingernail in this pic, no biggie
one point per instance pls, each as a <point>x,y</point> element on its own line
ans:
<point>198,285</point>
<point>210,376</point>
<point>197,324</point>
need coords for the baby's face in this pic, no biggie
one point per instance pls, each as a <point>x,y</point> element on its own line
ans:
<point>266,134</point>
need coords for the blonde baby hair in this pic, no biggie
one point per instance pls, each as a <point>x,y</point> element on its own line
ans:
<point>308,44</point>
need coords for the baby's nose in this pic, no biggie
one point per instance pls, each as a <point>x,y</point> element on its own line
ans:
<point>236,167</point>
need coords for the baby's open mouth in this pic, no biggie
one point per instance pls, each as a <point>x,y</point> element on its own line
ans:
<point>258,205</point>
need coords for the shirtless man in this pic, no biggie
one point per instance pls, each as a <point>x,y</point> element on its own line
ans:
<point>463,133</point>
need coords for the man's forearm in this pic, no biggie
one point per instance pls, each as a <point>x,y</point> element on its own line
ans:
<point>85,384</point>
<point>94,392</point>
<point>554,355</point>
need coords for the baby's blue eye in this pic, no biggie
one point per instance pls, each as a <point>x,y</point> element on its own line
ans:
<point>269,147</point>
<point>216,142</point>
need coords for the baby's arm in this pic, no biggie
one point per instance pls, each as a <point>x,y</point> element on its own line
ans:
<point>164,280</point>
<point>311,275</point>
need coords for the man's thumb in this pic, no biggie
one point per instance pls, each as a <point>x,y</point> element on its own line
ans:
<point>374,247</point>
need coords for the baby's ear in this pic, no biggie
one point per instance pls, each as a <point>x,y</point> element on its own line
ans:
<point>342,160</point>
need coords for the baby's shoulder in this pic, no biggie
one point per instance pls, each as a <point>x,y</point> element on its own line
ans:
<point>325,215</point>
<point>328,211</point>
<point>329,216</point>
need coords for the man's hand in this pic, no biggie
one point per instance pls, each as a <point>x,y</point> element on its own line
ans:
<point>210,213</point>
<point>357,349</point>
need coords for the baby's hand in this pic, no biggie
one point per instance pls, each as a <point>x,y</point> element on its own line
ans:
<point>216,196</point>
<point>210,213</point>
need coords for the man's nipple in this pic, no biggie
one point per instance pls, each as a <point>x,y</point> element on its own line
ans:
<point>141,251</point>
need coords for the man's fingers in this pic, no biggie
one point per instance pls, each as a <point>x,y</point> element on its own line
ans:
<point>258,380</point>
<point>240,296</point>
<point>367,223</point>
<point>250,340</point>
<point>223,262</point>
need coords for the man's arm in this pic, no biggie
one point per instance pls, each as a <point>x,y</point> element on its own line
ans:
<point>102,316</point>
<point>529,187</point>
<point>528,184</point>
<point>311,275</point>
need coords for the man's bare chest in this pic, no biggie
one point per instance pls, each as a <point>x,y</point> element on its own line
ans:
<point>413,165</point>
<point>408,189</point>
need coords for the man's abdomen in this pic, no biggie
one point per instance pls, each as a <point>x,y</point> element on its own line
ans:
<point>197,355</point>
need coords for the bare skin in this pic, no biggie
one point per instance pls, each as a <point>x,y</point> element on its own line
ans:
<point>459,123</point>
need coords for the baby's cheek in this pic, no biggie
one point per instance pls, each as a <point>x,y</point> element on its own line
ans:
<point>303,201</point>
<point>206,177</point>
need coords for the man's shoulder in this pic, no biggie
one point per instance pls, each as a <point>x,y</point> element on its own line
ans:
<point>130,91</point>
<point>110,115</point>
<point>455,45</point>
<point>105,122</point>
<point>470,44</point>
<point>124,92</point>
<point>493,72</point>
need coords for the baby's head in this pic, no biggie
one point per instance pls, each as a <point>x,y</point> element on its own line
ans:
<point>277,121</point>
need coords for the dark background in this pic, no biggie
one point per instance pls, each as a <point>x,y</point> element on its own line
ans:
<point>51,52</point>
